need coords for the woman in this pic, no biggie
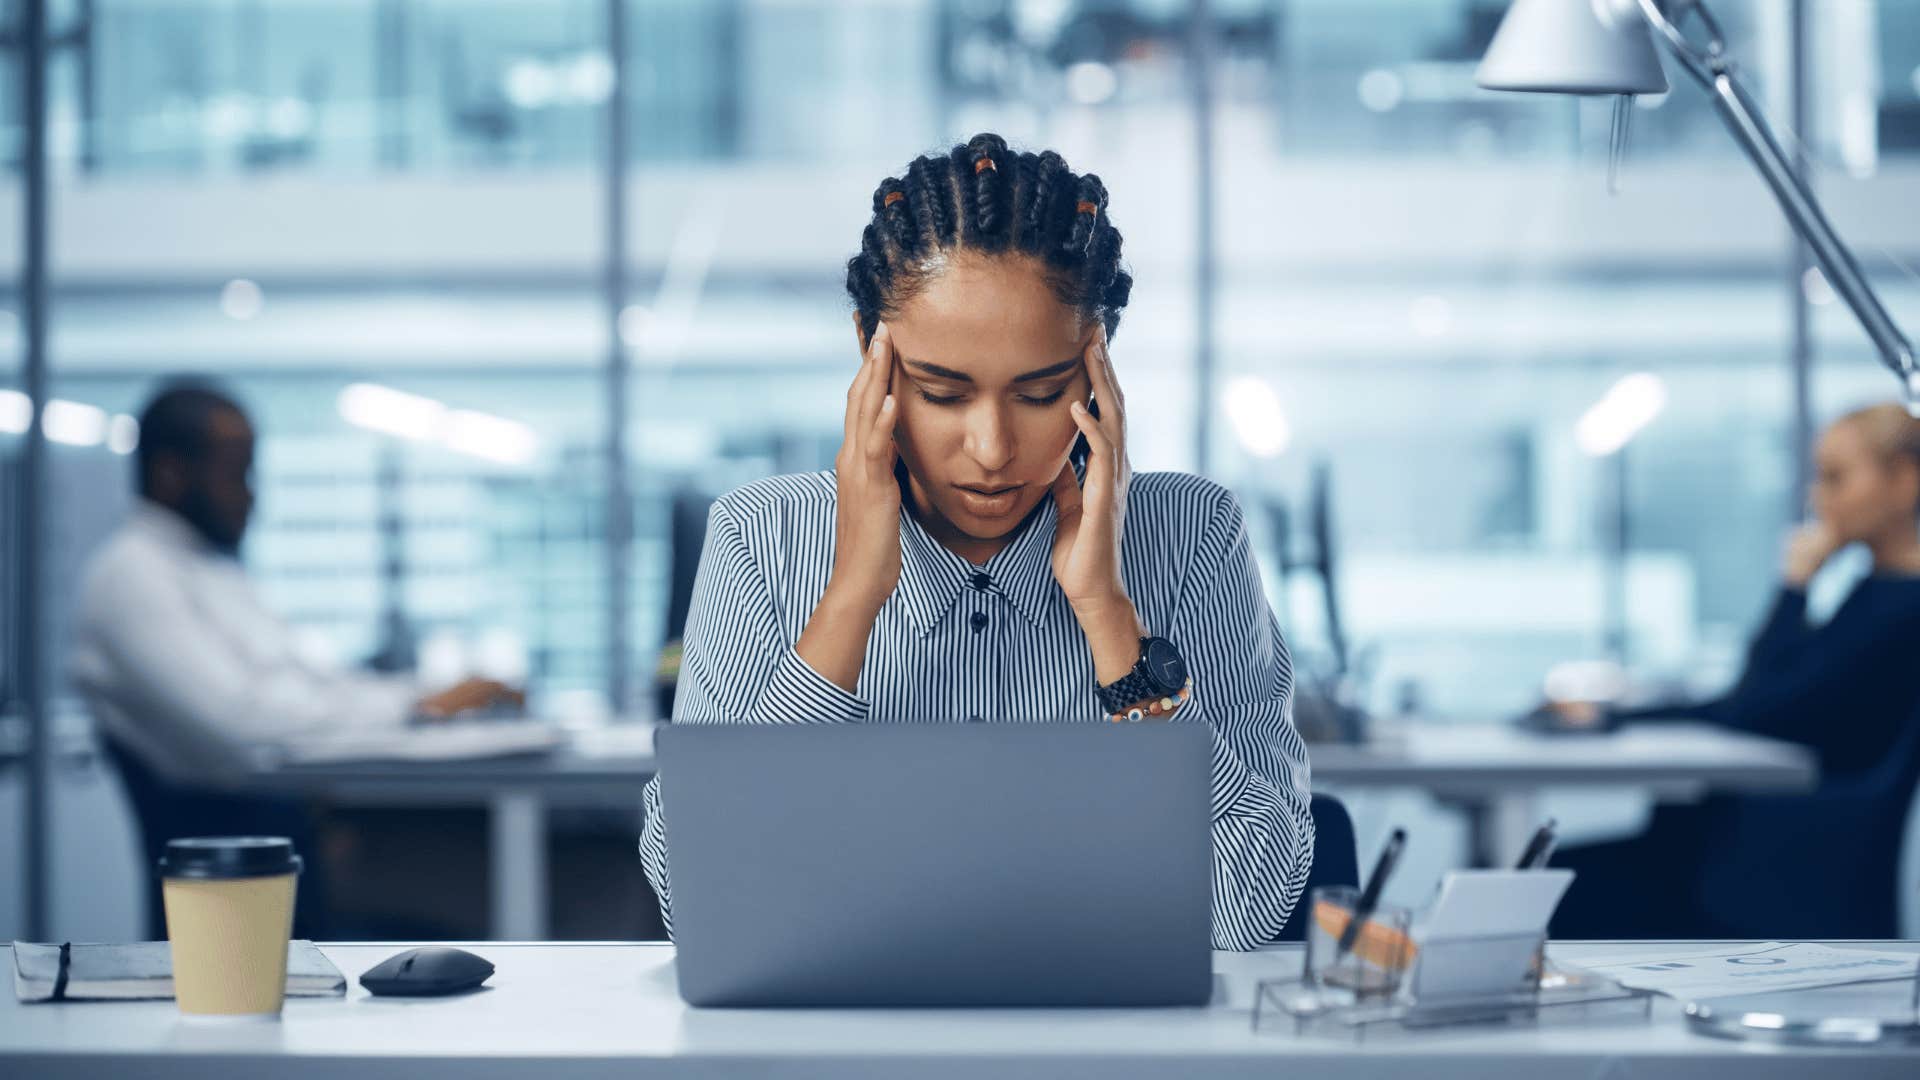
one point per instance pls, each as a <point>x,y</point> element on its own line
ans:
<point>1844,689</point>
<point>981,550</point>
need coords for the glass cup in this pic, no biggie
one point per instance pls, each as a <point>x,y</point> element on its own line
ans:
<point>1381,953</point>
<point>229,903</point>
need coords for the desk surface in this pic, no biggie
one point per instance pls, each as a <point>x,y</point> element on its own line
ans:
<point>563,1011</point>
<point>1445,759</point>
<point>1484,758</point>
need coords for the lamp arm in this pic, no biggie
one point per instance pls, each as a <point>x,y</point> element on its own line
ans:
<point>1711,68</point>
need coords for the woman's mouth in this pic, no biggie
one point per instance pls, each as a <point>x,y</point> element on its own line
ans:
<point>989,501</point>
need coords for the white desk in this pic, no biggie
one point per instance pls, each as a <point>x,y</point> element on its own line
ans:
<point>558,1012</point>
<point>1494,773</point>
<point>606,768</point>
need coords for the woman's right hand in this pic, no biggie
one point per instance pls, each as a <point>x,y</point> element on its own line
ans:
<point>1808,549</point>
<point>866,529</point>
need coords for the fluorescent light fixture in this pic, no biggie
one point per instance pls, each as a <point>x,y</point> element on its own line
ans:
<point>531,84</point>
<point>242,300</point>
<point>16,412</point>
<point>123,434</point>
<point>589,79</point>
<point>1381,90</point>
<point>422,419</point>
<point>1090,82</point>
<point>74,423</point>
<point>1432,316</point>
<point>391,412</point>
<point>1254,412</point>
<point>1622,412</point>
<point>493,438</point>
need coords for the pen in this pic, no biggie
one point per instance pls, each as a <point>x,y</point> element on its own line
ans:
<point>1370,896</point>
<point>1539,849</point>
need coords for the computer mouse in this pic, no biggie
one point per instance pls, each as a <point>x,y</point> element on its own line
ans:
<point>426,972</point>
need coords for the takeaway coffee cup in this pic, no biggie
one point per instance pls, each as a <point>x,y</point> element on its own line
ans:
<point>229,902</point>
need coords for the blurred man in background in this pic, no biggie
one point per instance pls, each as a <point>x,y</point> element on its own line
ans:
<point>190,678</point>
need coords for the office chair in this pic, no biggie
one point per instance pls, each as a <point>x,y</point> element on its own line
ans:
<point>164,812</point>
<point>687,535</point>
<point>1336,860</point>
<point>1813,866</point>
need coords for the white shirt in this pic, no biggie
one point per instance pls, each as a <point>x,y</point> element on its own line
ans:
<point>179,661</point>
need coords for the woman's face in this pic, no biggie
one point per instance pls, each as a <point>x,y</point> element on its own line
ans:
<point>1856,492</point>
<point>989,361</point>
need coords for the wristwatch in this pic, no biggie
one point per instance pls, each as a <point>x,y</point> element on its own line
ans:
<point>1160,672</point>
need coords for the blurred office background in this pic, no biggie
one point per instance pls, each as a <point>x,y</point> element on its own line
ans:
<point>1356,274</point>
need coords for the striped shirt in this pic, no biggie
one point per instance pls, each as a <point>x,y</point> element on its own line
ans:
<point>1188,568</point>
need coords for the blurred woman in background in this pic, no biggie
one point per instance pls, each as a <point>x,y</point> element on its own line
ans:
<point>1845,688</point>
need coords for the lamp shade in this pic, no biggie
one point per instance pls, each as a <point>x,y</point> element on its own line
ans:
<point>1573,47</point>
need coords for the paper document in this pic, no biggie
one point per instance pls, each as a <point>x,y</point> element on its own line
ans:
<point>1693,973</point>
<point>457,741</point>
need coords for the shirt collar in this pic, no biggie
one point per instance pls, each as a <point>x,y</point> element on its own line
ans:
<point>167,527</point>
<point>931,576</point>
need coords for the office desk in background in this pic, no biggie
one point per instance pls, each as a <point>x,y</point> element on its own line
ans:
<point>601,767</point>
<point>1495,773</point>
<point>560,1012</point>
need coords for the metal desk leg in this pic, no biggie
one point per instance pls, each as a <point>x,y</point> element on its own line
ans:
<point>1503,826</point>
<point>517,865</point>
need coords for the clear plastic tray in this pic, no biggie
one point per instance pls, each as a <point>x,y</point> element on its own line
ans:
<point>1305,1008</point>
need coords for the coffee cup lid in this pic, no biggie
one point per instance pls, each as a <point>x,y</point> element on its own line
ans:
<point>215,858</point>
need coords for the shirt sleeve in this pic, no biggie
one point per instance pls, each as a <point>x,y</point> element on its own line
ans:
<point>1243,687</point>
<point>1784,631</point>
<point>736,667</point>
<point>1792,683</point>
<point>149,649</point>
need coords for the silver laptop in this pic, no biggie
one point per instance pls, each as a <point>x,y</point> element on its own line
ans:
<point>939,864</point>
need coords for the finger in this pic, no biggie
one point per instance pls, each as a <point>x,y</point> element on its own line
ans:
<point>853,396</point>
<point>879,375</point>
<point>880,436</point>
<point>857,392</point>
<point>1099,378</point>
<point>1113,419</point>
<point>1097,440</point>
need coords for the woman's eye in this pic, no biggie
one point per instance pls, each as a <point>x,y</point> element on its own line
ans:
<point>938,399</point>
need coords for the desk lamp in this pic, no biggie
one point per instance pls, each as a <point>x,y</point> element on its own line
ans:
<point>1607,47</point>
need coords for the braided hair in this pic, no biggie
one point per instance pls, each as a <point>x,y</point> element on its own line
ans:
<point>980,196</point>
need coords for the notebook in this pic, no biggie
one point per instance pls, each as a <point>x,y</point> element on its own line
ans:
<point>143,969</point>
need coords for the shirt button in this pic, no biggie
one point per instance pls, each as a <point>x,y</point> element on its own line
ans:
<point>981,581</point>
<point>978,621</point>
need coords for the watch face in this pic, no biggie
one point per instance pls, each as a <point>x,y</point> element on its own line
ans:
<point>1164,665</point>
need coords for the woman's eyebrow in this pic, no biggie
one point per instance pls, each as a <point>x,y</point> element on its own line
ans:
<point>951,375</point>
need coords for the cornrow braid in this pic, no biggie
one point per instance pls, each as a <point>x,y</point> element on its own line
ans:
<point>896,221</point>
<point>983,196</point>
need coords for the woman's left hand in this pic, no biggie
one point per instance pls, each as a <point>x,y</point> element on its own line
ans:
<point>1086,542</point>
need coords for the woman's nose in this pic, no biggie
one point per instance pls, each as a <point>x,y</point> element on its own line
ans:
<point>988,442</point>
